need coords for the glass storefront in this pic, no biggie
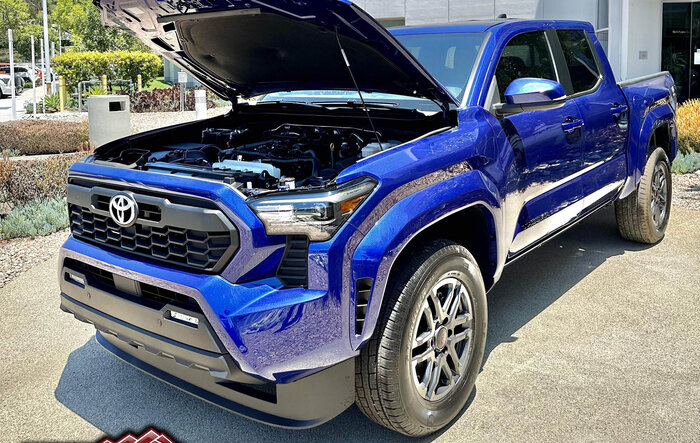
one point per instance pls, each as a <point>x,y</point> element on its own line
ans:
<point>681,47</point>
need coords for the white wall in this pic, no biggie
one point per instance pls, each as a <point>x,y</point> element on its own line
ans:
<point>641,32</point>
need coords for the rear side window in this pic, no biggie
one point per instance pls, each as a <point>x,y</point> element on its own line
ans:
<point>579,59</point>
<point>526,55</point>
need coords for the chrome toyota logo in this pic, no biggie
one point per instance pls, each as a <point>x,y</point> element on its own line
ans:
<point>123,209</point>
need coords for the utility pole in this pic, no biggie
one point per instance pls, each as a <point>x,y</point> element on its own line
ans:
<point>47,60</point>
<point>12,76</point>
<point>33,74</point>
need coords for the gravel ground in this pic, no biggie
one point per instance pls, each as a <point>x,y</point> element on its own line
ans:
<point>686,190</point>
<point>19,255</point>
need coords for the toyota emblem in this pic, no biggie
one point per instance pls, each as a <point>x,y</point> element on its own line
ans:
<point>123,209</point>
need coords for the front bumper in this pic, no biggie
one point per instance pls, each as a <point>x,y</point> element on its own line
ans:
<point>190,356</point>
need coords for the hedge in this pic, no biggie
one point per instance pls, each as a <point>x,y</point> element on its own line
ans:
<point>117,65</point>
<point>24,181</point>
<point>29,137</point>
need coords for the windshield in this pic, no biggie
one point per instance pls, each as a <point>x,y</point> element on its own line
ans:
<point>448,57</point>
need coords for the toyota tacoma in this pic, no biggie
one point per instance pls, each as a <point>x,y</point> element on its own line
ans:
<point>331,239</point>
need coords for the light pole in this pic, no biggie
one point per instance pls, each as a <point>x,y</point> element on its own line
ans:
<point>47,59</point>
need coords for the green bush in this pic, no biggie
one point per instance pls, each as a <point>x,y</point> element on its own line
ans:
<point>28,137</point>
<point>118,65</point>
<point>36,218</point>
<point>24,181</point>
<point>686,163</point>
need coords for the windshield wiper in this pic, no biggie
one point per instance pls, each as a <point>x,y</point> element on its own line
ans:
<point>359,105</point>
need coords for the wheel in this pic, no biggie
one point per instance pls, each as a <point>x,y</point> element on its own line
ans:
<point>417,371</point>
<point>643,215</point>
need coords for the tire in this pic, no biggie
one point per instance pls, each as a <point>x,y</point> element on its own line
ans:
<point>643,215</point>
<point>387,387</point>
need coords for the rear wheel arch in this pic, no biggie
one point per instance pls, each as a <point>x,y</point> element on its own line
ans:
<point>661,138</point>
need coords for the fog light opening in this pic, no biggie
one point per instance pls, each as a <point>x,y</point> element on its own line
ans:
<point>185,319</point>
<point>80,281</point>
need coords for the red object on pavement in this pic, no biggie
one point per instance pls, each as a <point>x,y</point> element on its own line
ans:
<point>150,436</point>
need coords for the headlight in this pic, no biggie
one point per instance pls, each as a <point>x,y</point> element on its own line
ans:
<point>316,214</point>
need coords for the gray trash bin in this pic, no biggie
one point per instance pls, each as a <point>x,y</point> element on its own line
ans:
<point>108,117</point>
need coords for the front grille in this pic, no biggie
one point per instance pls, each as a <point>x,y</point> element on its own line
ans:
<point>196,237</point>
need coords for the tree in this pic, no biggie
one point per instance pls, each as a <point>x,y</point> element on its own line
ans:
<point>13,15</point>
<point>82,19</point>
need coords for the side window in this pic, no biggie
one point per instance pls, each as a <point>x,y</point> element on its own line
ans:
<point>579,59</point>
<point>525,55</point>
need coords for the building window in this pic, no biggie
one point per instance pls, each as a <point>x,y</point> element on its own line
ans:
<point>601,30</point>
<point>392,22</point>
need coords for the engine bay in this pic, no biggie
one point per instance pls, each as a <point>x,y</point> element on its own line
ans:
<point>287,156</point>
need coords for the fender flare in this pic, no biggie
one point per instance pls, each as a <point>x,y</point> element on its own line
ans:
<point>377,252</point>
<point>638,148</point>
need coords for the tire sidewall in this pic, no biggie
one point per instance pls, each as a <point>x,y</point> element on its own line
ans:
<point>452,261</point>
<point>656,157</point>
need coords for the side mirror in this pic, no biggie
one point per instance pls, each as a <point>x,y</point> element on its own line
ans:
<point>526,90</point>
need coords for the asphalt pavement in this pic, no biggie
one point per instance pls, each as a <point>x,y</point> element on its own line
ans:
<point>591,338</point>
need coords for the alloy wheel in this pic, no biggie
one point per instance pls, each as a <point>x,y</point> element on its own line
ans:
<point>442,339</point>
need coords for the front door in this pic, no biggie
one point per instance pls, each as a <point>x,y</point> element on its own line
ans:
<point>548,146</point>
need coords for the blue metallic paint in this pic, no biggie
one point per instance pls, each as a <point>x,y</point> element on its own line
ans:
<point>283,334</point>
<point>533,90</point>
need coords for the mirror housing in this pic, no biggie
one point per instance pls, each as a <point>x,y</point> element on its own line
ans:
<point>528,90</point>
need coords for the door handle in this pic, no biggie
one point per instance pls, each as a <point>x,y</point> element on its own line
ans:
<point>570,125</point>
<point>617,110</point>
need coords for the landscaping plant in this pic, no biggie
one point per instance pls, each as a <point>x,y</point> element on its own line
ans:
<point>28,137</point>
<point>41,217</point>
<point>116,65</point>
<point>166,100</point>
<point>688,124</point>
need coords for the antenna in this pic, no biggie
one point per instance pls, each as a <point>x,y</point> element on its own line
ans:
<point>502,16</point>
<point>357,88</point>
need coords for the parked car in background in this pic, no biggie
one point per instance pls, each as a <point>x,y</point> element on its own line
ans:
<point>334,242</point>
<point>5,87</point>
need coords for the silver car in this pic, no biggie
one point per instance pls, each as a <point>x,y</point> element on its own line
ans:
<point>5,90</point>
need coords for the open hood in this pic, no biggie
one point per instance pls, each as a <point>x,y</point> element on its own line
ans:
<point>248,48</point>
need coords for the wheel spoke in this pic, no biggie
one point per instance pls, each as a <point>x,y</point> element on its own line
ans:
<point>434,377</point>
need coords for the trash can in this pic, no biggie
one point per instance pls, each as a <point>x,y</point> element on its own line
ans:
<point>109,118</point>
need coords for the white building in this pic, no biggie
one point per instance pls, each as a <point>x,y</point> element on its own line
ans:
<point>640,36</point>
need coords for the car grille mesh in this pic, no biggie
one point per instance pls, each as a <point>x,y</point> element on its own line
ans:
<point>188,247</point>
<point>160,231</point>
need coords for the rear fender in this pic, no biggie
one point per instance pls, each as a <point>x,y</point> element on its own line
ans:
<point>376,254</point>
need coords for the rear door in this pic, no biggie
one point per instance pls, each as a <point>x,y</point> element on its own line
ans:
<point>547,143</point>
<point>604,110</point>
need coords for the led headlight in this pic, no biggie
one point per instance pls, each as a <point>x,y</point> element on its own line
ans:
<point>316,214</point>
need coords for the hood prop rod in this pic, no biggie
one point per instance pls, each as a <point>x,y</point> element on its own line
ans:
<point>357,88</point>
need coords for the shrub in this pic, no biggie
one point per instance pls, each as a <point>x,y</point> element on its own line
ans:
<point>36,218</point>
<point>688,122</point>
<point>686,163</point>
<point>28,137</point>
<point>23,181</point>
<point>166,100</point>
<point>118,65</point>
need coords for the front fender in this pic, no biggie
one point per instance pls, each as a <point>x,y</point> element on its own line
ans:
<point>382,244</point>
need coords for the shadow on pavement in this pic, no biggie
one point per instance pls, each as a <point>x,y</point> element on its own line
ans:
<point>117,398</point>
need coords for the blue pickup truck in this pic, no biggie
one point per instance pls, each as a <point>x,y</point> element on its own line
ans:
<point>331,240</point>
